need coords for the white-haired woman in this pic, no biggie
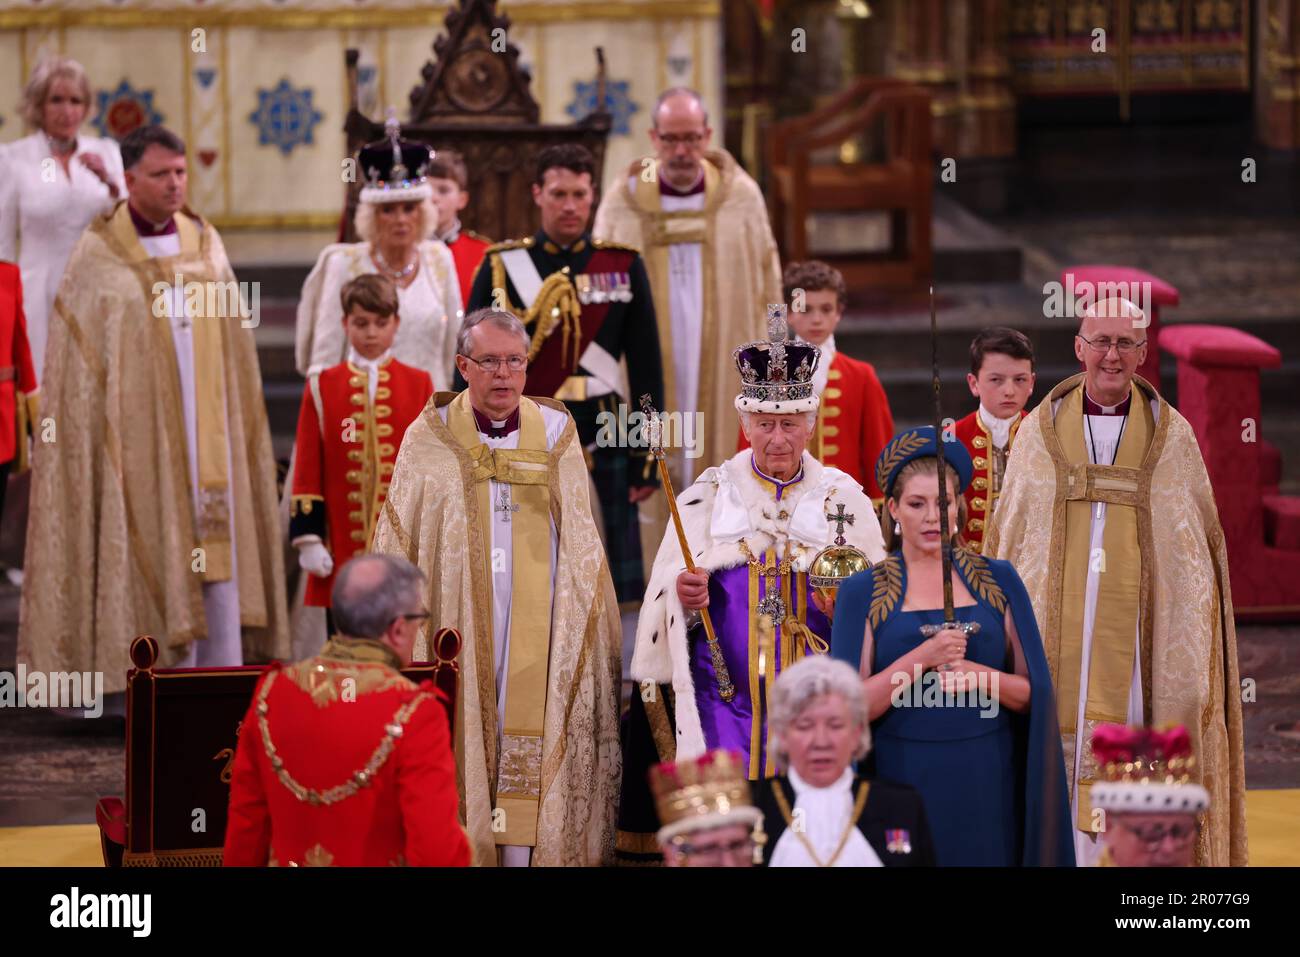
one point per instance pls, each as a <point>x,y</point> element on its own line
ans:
<point>819,812</point>
<point>52,184</point>
<point>395,219</point>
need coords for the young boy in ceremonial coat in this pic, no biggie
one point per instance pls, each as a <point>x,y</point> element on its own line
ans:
<point>854,421</point>
<point>450,182</point>
<point>18,395</point>
<point>1002,378</point>
<point>350,427</point>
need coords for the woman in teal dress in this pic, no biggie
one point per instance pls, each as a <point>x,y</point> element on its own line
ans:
<point>968,718</point>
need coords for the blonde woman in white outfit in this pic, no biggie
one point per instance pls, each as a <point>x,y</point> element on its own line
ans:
<point>394,218</point>
<point>52,184</point>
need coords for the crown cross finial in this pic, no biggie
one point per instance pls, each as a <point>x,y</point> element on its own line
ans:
<point>393,130</point>
<point>653,426</point>
<point>777,333</point>
<point>840,518</point>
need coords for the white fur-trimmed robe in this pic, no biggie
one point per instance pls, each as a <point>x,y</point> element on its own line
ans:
<point>728,504</point>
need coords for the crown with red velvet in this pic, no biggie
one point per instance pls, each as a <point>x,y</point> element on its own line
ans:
<point>394,168</point>
<point>776,374</point>
<point>1145,770</point>
<point>698,794</point>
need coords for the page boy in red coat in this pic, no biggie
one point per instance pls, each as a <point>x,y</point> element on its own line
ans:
<point>1002,378</point>
<point>18,394</point>
<point>350,426</point>
<point>450,181</point>
<point>342,760</point>
<point>854,421</point>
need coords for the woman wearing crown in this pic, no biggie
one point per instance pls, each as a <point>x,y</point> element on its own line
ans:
<point>963,714</point>
<point>395,218</point>
<point>753,524</point>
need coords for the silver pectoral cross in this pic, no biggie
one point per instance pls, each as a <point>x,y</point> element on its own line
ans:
<point>503,503</point>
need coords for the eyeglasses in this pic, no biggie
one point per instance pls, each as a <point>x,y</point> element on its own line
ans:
<point>1153,837</point>
<point>1122,346</point>
<point>681,139</point>
<point>743,849</point>
<point>493,363</point>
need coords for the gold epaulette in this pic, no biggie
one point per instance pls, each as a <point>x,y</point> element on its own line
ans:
<point>479,236</point>
<point>506,245</point>
<point>606,244</point>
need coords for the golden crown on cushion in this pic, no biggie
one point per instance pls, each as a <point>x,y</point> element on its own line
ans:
<point>696,794</point>
<point>1146,770</point>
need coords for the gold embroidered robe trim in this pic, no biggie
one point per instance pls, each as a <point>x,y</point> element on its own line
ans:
<point>433,517</point>
<point>369,666</point>
<point>1189,643</point>
<point>736,240</point>
<point>114,491</point>
<point>519,772</point>
<point>1123,585</point>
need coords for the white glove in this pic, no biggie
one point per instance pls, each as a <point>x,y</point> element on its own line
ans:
<point>314,558</point>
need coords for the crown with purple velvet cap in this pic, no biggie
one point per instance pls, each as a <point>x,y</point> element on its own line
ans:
<point>776,374</point>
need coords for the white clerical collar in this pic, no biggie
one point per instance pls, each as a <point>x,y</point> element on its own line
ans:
<point>843,783</point>
<point>999,429</point>
<point>1104,409</point>
<point>452,233</point>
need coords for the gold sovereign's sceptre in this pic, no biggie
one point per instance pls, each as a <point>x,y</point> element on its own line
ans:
<point>654,433</point>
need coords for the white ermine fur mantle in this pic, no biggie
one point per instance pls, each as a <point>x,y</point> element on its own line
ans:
<point>726,505</point>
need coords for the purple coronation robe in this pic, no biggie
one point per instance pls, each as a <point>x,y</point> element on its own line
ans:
<point>741,723</point>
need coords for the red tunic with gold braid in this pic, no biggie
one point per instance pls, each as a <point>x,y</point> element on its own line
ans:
<point>467,250</point>
<point>853,423</point>
<point>346,448</point>
<point>343,761</point>
<point>986,479</point>
<point>17,374</point>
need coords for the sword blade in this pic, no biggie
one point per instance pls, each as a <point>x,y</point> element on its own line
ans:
<point>945,548</point>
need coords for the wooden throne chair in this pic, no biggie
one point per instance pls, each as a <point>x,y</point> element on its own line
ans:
<point>899,183</point>
<point>475,99</point>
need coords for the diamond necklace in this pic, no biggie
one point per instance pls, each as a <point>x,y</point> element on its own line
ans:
<point>395,273</point>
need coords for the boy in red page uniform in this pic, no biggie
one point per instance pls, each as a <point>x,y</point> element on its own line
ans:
<point>854,421</point>
<point>1002,378</point>
<point>450,180</point>
<point>17,378</point>
<point>350,426</point>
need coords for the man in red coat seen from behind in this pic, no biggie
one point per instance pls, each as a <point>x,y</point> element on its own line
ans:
<point>343,761</point>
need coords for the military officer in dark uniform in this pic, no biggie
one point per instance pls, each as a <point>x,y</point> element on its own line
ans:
<point>595,346</point>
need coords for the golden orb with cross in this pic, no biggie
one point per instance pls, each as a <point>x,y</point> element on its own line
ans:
<point>837,561</point>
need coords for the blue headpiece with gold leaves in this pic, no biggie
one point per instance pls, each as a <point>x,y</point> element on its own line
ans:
<point>919,443</point>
